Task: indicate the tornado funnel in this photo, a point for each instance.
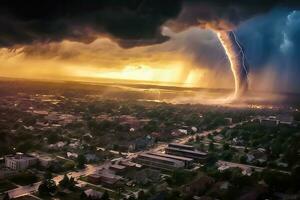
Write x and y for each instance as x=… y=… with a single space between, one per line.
x=237 y=59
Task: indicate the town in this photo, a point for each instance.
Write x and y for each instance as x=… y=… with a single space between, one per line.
x=74 y=141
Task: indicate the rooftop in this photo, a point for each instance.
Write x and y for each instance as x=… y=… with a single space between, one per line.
x=181 y=145
x=20 y=156
x=170 y=156
x=188 y=151
x=159 y=157
x=116 y=166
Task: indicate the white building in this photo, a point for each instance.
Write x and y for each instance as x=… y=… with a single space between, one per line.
x=19 y=161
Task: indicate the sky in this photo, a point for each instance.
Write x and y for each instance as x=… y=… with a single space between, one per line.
x=164 y=42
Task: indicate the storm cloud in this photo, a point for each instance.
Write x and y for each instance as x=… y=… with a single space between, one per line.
x=129 y=23
x=273 y=52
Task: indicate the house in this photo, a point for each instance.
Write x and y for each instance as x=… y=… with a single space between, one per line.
x=194 y=129
x=94 y=178
x=91 y=157
x=128 y=164
x=57 y=145
x=250 y=158
x=183 y=131
x=72 y=155
x=104 y=177
x=93 y=194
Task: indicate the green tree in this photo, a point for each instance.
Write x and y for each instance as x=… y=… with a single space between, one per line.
x=202 y=147
x=48 y=175
x=211 y=146
x=142 y=195
x=226 y=147
x=131 y=197
x=174 y=195
x=105 y=196
x=47 y=187
x=64 y=183
x=243 y=159
x=53 y=137
x=211 y=159
x=81 y=161
x=278 y=181
x=296 y=177
x=69 y=165
x=83 y=196
x=6 y=197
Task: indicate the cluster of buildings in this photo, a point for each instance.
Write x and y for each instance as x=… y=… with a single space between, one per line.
x=111 y=175
x=281 y=119
x=127 y=120
x=176 y=156
x=21 y=161
x=54 y=119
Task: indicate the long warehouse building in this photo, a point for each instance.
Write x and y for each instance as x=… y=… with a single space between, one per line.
x=197 y=155
x=159 y=162
x=187 y=161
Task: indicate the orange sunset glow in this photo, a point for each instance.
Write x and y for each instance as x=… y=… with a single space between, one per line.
x=104 y=59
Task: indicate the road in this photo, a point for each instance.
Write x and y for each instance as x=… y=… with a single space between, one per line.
x=90 y=169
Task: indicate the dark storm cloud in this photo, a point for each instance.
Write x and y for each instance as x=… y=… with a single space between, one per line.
x=273 y=41
x=128 y=22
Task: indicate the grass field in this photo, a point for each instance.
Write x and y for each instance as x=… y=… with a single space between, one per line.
x=6 y=185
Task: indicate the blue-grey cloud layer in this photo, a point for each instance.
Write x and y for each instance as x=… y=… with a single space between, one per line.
x=273 y=41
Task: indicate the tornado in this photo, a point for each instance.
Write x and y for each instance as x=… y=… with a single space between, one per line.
x=237 y=60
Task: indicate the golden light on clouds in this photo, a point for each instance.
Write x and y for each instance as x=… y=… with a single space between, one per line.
x=169 y=74
x=169 y=63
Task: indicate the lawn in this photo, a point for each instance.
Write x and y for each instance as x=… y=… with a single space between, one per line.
x=24 y=178
x=6 y=185
x=73 y=195
x=26 y=197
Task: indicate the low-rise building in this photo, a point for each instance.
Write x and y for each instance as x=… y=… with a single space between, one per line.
x=197 y=155
x=159 y=162
x=43 y=160
x=128 y=164
x=228 y=120
x=20 y=161
x=118 y=169
x=269 y=122
x=187 y=161
x=105 y=178
x=181 y=146
x=93 y=194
